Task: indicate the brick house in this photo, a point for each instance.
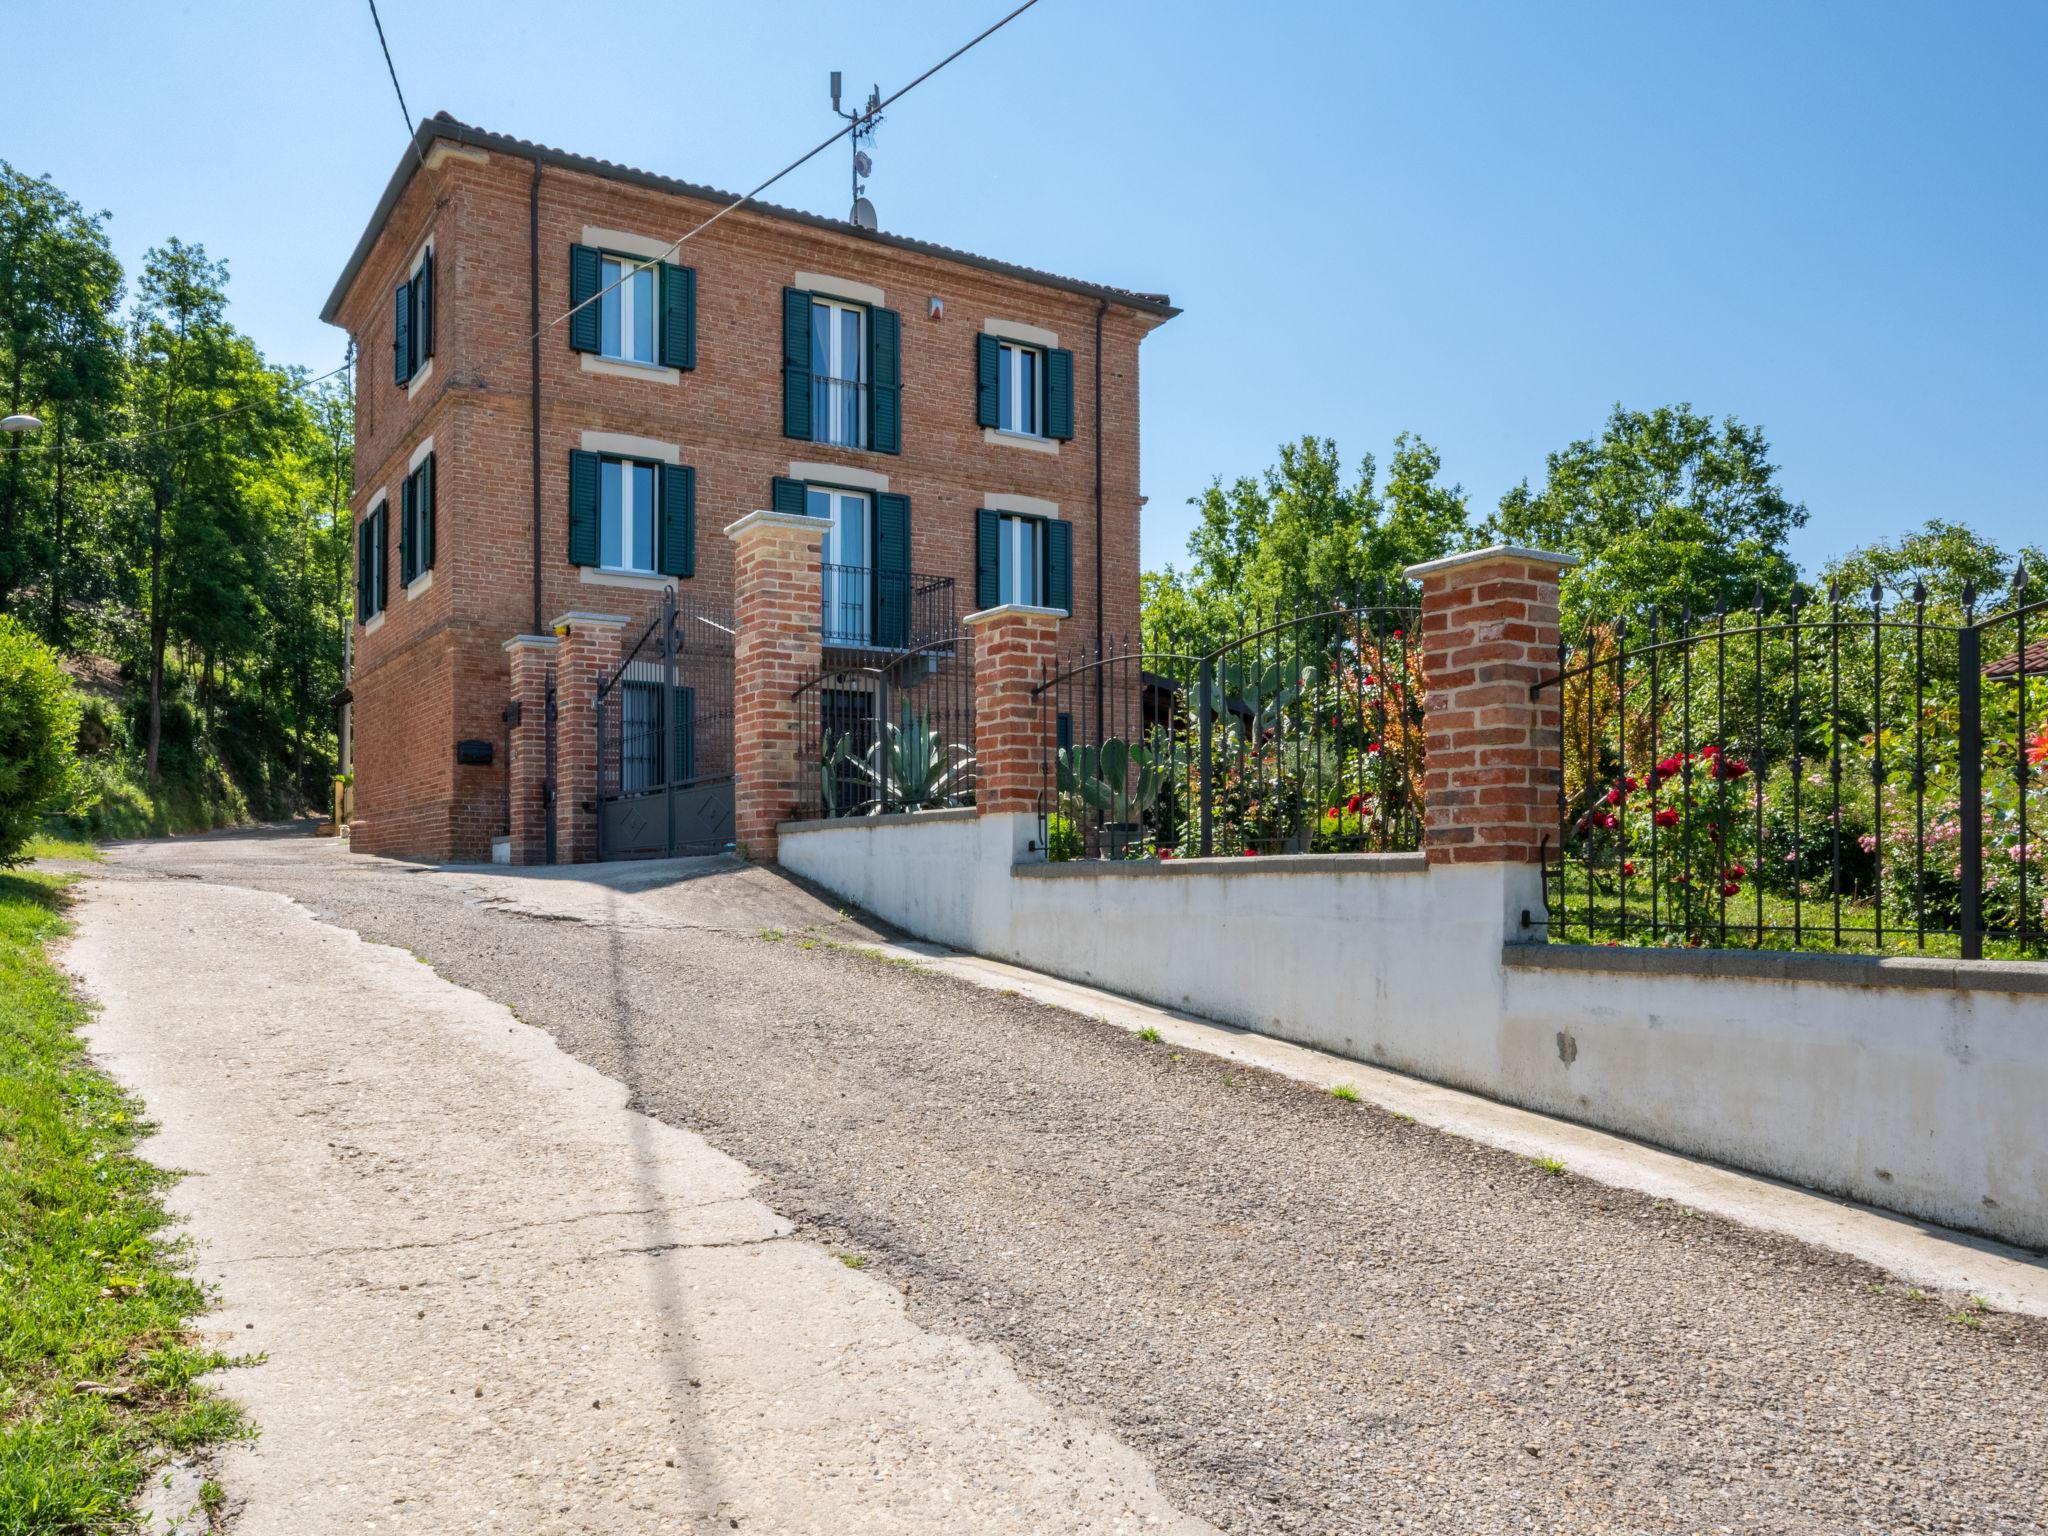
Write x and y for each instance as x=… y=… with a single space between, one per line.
x=962 y=425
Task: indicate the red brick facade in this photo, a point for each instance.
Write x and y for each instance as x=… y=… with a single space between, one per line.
x=1489 y=632
x=432 y=670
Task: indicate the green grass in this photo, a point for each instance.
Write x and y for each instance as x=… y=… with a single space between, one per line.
x=1345 y=1092
x=1598 y=916
x=854 y=1260
x=98 y=1364
x=1545 y=1163
x=1149 y=1034
x=59 y=845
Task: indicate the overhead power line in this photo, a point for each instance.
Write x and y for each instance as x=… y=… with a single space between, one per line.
x=411 y=128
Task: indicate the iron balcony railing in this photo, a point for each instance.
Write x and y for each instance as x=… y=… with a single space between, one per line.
x=866 y=609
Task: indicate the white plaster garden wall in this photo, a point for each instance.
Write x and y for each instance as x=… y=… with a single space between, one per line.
x=1921 y=1086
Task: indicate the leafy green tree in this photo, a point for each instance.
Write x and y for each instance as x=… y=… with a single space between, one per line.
x=1944 y=557
x=1301 y=534
x=1666 y=510
x=39 y=713
x=60 y=358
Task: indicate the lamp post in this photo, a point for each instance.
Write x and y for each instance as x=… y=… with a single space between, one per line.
x=22 y=423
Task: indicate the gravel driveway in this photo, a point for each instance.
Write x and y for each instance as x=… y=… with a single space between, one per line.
x=1309 y=1315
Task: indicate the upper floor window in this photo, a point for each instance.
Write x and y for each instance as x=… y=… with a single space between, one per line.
x=416 y=523
x=842 y=377
x=1023 y=388
x=838 y=372
x=626 y=515
x=1020 y=384
x=412 y=326
x=1020 y=561
x=625 y=310
x=371 y=580
x=632 y=516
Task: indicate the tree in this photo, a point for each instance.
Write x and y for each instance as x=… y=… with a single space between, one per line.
x=1945 y=558
x=1299 y=534
x=1667 y=513
x=38 y=736
x=59 y=358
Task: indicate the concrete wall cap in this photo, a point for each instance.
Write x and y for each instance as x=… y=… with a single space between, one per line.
x=1491 y=552
x=577 y=619
x=863 y=823
x=1004 y=610
x=1783 y=965
x=521 y=642
x=759 y=521
x=1226 y=868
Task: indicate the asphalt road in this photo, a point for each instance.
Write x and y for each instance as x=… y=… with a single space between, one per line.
x=1307 y=1315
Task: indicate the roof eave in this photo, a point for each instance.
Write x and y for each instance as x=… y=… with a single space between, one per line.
x=441 y=126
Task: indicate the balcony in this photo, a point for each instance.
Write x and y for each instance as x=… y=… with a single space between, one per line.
x=862 y=609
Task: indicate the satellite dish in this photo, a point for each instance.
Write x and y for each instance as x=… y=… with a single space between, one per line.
x=864 y=213
x=862 y=165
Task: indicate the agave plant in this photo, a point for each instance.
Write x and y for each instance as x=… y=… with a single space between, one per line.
x=910 y=766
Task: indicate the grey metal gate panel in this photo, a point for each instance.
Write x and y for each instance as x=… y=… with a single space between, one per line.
x=664 y=738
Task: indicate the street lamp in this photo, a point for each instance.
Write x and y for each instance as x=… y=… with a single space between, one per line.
x=20 y=423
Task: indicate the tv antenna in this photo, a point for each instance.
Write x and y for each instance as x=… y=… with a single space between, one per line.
x=865 y=121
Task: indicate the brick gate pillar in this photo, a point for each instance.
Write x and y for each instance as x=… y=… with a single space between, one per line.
x=776 y=611
x=531 y=657
x=587 y=654
x=1015 y=649
x=1492 y=753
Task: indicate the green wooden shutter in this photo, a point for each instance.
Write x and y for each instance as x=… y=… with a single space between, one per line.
x=796 y=364
x=401 y=334
x=423 y=308
x=407 y=515
x=582 y=507
x=678 y=316
x=1059 y=394
x=682 y=711
x=1059 y=565
x=988 y=393
x=425 y=514
x=891 y=599
x=885 y=381
x=583 y=284
x=791 y=496
x=988 y=568
x=383 y=561
x=678 y=553
x=363 y=571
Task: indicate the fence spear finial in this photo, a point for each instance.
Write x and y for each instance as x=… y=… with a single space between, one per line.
x=2019 y=579
x=1969 y=602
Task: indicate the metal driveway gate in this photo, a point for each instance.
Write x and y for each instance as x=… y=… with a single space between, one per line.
x=664 y=738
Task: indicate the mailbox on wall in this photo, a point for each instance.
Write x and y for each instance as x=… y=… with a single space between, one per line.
x=473 y=754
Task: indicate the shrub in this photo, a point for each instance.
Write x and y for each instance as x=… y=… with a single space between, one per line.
x=39 y=715
x=1063 y=839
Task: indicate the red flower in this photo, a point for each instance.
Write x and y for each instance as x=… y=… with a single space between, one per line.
x=2037 y=749
x=1671 y=767
x=1614 y=795
x=1731 y=889
x=1331 y=814
x=1709 y=751
x=1355 y=804
x=1165 y=854
x=1397 y=634
x=1667 y=817
x=1606 y=819
x=1628 y=866
x=1251 y=853
x=1736 y=872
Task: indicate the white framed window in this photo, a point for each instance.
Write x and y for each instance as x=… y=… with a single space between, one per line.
x=1020 y=561
x=839 y=382
x=627 y=492
x=1020 y=390
x=848 y=562
x=626 y=312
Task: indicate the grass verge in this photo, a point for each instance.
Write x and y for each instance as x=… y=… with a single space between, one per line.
x=99 y=1366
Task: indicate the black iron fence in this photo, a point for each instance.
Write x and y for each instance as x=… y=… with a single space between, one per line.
x=1865 y=772
x=1300 y=734
x=894 y=736
x=863 y=608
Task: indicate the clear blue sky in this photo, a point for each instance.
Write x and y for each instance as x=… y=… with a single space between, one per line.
x=1483 y=222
